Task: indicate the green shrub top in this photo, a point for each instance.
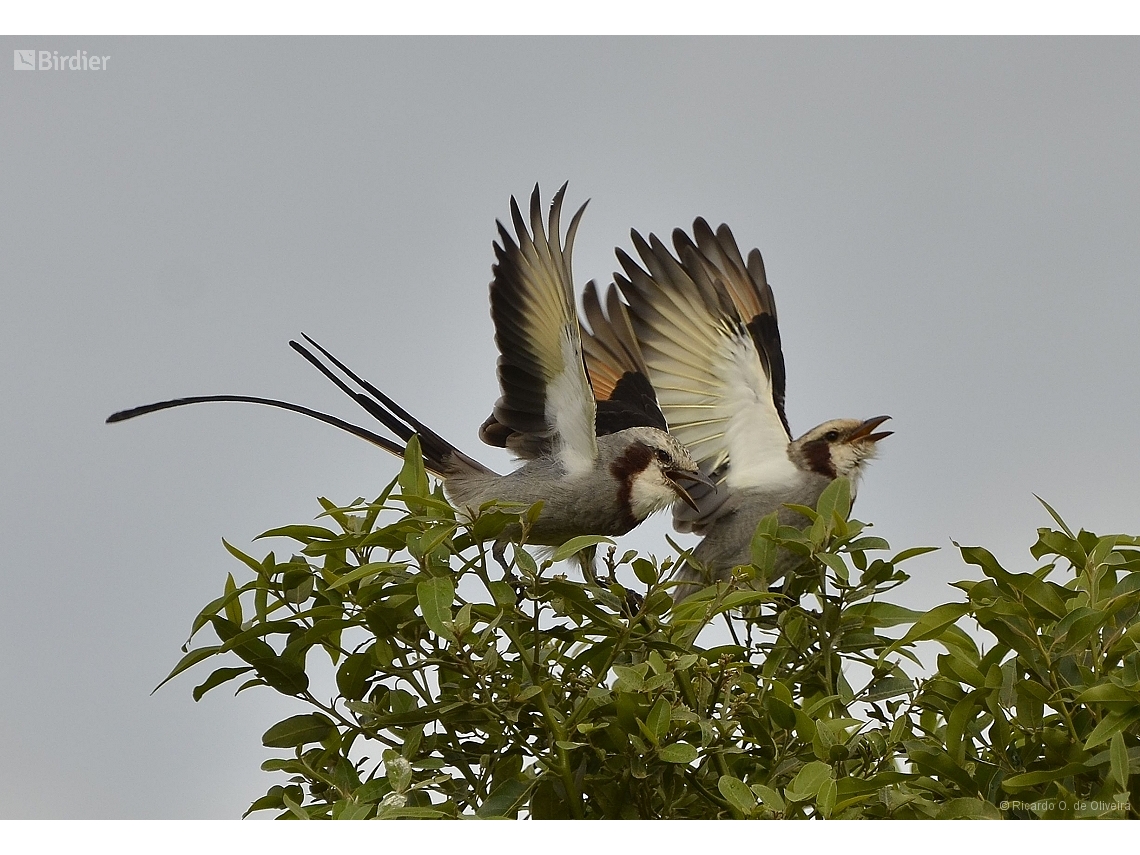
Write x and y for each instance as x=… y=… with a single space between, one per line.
x=459 y=694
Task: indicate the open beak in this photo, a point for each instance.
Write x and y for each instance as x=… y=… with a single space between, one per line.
x=697 y=477
x=863 y=432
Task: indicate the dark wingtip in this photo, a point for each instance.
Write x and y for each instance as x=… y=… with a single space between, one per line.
x=556 y=202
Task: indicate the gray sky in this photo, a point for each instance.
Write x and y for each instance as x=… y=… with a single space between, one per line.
x=949 y=227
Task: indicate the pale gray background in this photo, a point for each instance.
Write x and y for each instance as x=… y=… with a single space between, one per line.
x=949 y=225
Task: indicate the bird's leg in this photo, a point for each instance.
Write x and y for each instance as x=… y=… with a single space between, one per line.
x=499 y=553
x=633 y=603
x=633 y=600
x=586 y=560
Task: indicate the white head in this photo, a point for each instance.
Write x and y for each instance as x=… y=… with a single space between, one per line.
x=839 y=447
x=648 y=466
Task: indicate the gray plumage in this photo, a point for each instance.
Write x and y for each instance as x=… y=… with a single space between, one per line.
x=729 y=528
x=600 y=500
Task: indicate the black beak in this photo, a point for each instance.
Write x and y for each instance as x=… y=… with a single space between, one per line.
x=863 y=432
x=697 y=477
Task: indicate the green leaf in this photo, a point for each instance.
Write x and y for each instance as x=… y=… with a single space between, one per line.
x=934 y=761
x=802 y=510
x=502 y=593
x=363 y=572
x=930 y=624
x=1101 y=551
x=1117 y=698
x=763 y=546
x=769 y=797
x=287 y=677
x=192 y=658
x=645 y=571
x=956 y=727
x=836 y=565
x=490 y=524
x=252 y=563
x=352 y=676
x=783 y=714
x=877 y=613
x=1078 y=625
x=1118 y=760
x=1109 y=726
x=301 y=533
x=983 y=558
x=913 y=552
x=1041 y=593
x=1051 y=542
x=397 y=770
x=658 y=720
x=630 y=679
x=546 y=803
x=505 y=800
x=221 y=675
x=233 y=601
x=435 y=596
x=888 y=687
x=835 y=500
x=825 y=798
x=350 y=811
x=868 y=543
x=806 y=785
x=413 y=479
x=295 y=807
x=678 y=752
x=1041 y=776
x=1056 y=516
x=576 y=544
x=270 y=801
x=737 y=794
x=525 y=562
x=298 y=730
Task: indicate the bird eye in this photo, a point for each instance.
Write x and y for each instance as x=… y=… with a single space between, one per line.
x=831 y=435
x=662 y=455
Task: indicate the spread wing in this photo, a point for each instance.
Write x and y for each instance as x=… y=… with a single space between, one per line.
x=705 y=321
x=747 y=285
x=622 y=391
x=546 y=406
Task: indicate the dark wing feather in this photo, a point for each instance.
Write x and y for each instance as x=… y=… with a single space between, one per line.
x=546 y=406
x=622 y=391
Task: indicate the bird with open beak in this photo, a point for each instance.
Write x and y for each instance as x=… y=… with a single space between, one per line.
x=701 y=328
x=596 y=471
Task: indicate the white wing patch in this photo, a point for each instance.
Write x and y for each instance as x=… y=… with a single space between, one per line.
x=570 y=408
x=755 y=438
x=718 y=402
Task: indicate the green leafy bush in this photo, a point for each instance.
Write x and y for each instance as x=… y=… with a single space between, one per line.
x=458 y=694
